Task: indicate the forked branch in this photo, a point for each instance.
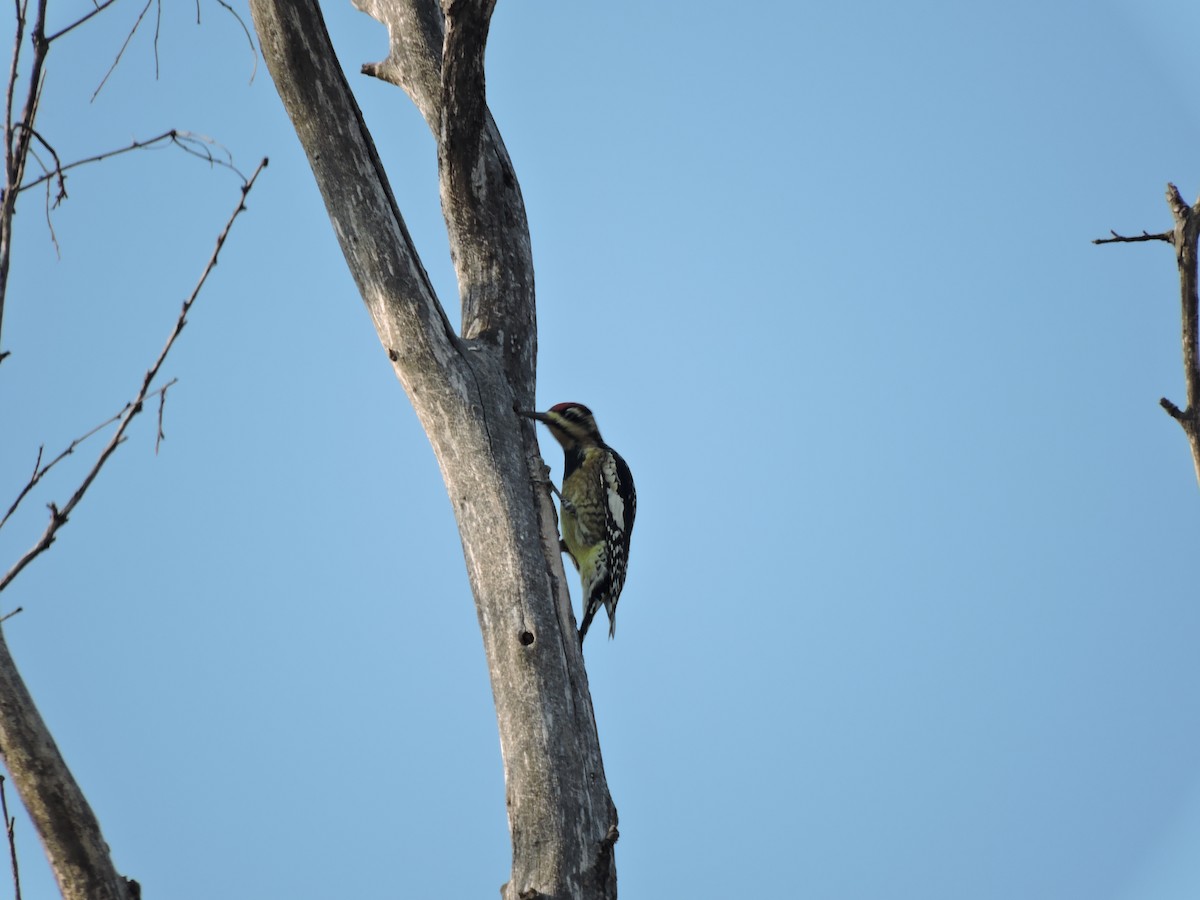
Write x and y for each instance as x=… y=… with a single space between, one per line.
x=59 y=516
x=464 y=387
x=197 y=145
x=40 y=470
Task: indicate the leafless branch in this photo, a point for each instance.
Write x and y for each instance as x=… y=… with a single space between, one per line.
x=40 y=471
x=1172 y=410
x=249 y=37
x=10 y=825
x=10 y=91
x=96 y=10
x=16 y=140
x=1144 y=236
x=59 y=517
x=202 y=147
x=196 y=145
x=124 y=46
x=56 y=175
x=157 y=32
x=56 y=170
x=162 y=402
x=1183 y=237
x=48 y=206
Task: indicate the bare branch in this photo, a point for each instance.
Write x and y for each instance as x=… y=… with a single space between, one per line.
x=10 y=825
x=482 y=202
x=162 y=402
x=121 y=52
x=245 y=29
x=464 y=104
x=46 y=209
x=14 y=64
x=70 y=832
x=56 y=172
x=59 y=517
x=50 y=204
x=1167 y=236
x=197 y=145
x=40 y=471
x=157 y=32
x=16 y=140
x=1179 y=208
x=1184 y=237
x=1172 y=410
x=417 y=32
x=201 y=146
x=96 y=10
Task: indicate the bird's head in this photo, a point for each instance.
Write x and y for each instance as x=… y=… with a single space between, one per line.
x=572 y=424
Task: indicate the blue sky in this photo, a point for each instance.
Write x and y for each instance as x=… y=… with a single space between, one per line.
x=911 y=610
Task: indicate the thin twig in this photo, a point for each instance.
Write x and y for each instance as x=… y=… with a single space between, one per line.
x=96 y=10
x=193 y=144
x=14 y=64
x=47 y=207
x=10 y=824
x=59 y=517
x=157 y=32
x=33 y=480
x=7 y=616
x=1167 y=236
x=245 y=29
x=121 y=52
x=201 y=146
x=40 y=471
x=162 y=402
x=56 y=172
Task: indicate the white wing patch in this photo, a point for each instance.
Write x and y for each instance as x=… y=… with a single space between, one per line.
x=616 y=506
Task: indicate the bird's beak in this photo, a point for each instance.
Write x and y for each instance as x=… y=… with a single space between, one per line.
x=532 y=414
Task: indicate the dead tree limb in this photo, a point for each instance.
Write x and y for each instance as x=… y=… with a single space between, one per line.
x=1183 y=236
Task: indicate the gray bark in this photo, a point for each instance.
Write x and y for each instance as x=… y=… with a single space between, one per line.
x=1184 y=236
x=464 y=390
x=61 y=815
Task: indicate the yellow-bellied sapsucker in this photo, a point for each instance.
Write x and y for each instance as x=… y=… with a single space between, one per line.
x=598 y=504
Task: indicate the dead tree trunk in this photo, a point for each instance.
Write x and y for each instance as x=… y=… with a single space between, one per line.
x=464 y=389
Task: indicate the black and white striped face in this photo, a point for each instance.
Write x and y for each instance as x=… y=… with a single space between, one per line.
x=572 y=424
